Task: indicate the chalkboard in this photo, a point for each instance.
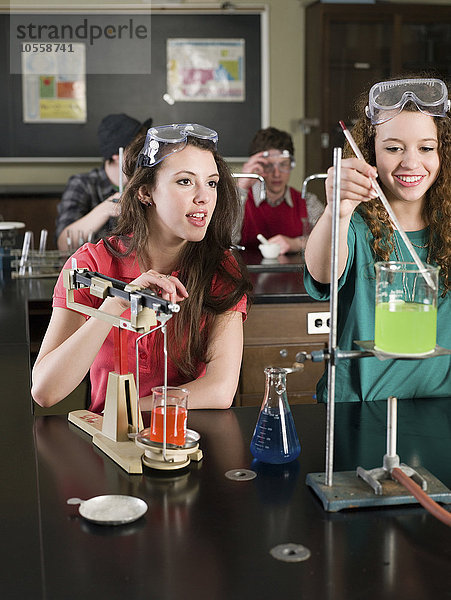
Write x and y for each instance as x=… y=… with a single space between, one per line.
x=141 y=95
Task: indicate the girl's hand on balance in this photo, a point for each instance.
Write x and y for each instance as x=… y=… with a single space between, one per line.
x=167 y=287
x=356 y=176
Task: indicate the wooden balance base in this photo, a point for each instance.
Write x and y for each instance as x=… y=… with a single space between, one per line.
x=126 y=454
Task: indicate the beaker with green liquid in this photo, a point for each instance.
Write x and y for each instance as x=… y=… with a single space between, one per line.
x=406 y=308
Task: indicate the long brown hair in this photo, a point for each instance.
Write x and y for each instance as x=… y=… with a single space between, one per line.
x=437 y=208
x=198 y=262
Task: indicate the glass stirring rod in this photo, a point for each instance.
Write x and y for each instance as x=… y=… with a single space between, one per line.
x=389 y=210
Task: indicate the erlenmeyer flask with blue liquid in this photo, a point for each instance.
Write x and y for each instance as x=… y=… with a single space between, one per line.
x=275 y=439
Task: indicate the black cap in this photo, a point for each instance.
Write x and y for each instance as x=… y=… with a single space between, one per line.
x=117 y=131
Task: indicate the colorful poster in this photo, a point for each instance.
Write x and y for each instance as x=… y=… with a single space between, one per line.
x=205 y=70
x=54 y=83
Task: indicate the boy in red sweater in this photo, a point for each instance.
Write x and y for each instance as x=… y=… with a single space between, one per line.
x=278 y=217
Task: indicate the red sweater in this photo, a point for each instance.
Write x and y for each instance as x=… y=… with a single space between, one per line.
x=272 y=220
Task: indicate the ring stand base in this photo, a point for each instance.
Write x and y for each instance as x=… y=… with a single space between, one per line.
x=375 y=477
x=350 y=491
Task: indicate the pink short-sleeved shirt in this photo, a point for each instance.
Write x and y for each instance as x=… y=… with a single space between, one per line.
x=95 y=257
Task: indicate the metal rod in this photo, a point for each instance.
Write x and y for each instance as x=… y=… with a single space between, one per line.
x=311 y=178
x=392 y=418
x=138 y=408
x=138 y=339
x=253 y=176
x=342 y=354
x=138 y=411
x=25 y=251
x=333 y=319
x=69 y=241
x=165 y=390
x=43 y=241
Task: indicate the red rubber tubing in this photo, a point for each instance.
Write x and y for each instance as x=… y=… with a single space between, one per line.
x=430 y=505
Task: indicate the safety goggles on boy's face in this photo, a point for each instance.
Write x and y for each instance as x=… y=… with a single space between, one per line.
x=280 y=159
x=166 y=139
x=388 y=98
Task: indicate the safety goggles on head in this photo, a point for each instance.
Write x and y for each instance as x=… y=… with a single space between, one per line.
x=166 y=139
x=388 y=98
x=281 y=159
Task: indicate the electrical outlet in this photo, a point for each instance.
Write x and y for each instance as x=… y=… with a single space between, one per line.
x=318 y=322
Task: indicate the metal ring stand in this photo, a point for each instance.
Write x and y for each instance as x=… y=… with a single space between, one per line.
x=361 y=488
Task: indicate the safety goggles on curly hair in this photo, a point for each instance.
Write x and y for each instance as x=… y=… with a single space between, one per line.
x=280 y=159
x=388 y=98
x=166 y=139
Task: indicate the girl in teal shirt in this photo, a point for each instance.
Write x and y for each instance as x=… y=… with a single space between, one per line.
x=405 y=131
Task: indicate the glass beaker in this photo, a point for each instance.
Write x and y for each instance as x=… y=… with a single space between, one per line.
x=176 y=415
x=275 y=439
x=406 y=308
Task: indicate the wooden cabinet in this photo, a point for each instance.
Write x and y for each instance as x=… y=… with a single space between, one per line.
x=273 y=335
x=351 y=46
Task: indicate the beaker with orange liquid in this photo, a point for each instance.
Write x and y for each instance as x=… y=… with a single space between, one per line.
x=170 y=401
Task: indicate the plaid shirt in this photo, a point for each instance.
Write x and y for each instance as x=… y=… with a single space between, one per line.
x=82 y=193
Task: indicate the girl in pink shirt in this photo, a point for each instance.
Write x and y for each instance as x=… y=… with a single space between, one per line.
x=173 y=237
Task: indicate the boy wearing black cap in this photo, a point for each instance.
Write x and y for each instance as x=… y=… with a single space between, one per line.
x=88 y=206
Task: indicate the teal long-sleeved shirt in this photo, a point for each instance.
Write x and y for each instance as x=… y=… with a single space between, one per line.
x=372 y=378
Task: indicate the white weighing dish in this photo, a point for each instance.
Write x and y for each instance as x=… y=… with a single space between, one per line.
x=269 y=250
x=111 y=509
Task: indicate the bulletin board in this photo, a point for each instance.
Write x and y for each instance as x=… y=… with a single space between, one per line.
x=146 y=95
